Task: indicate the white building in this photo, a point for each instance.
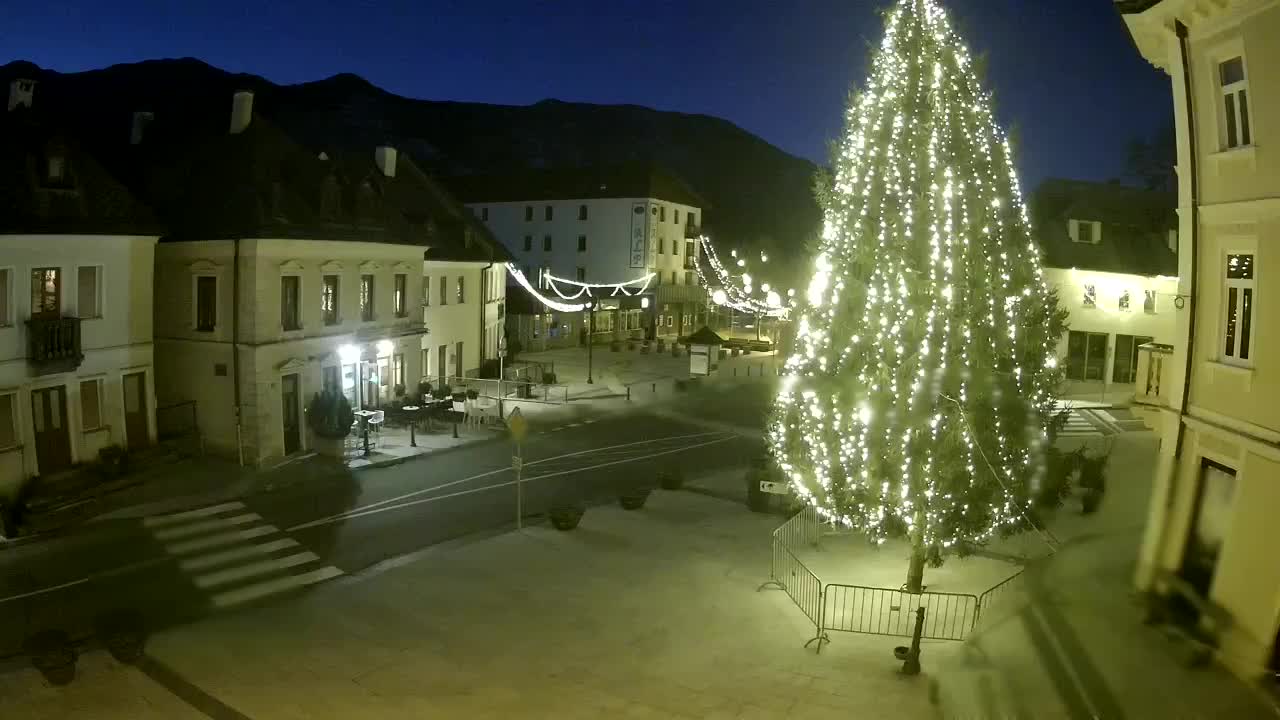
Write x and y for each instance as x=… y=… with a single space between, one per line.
x=75 y=302
x=1211 y=535
x=600 y=225
x=286 y=271
x=1111 y=253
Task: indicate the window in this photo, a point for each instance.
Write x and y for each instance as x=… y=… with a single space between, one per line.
x=46 y=292
x=1123 y=303
x=688 y=278
x=55 y=169
x=662 y=246
x=675 y=248
x=528 y=213
x=289 y=290
x=1235 y=104
x=1087 y=232
x=675 y=218
x=528 y=243
x=6 y=297
x=547 y=213
x=688 y=253
x=582 y=243
x=662 y=213
x=329 y=378
x=484 y=214
x=1237 y=328
x=89 y=291
x=329 y=300
x=462 y=295
x=206 y=303
x=1149 y=302
x=90 y=404
x=366 y=298
x=1214 y=495
x=582 y=274
x=1086 y=355
x=444 y=289
x=401 y=297
x=693 y=219
x=546 y=243
x=397 y=370
x=1090 y=296
x=673 y=277
x=8 y=421
x=582 y=212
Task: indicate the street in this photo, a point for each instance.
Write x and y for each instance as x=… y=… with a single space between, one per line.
x=179 y=567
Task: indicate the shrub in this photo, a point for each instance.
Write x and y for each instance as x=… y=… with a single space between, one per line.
x=566 y=516
x=633 y=499
x=329 y=415
x=53 y=654
x=112 y=462
x=671 y=478
x=398 y=390
x=442 y=392
x=123 y=634
x=472 y=394
x=548 y=378
x=424 y=390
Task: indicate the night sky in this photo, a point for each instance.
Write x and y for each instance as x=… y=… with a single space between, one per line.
x=1064 y=71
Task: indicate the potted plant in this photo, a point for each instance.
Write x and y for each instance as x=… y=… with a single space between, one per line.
x=662 y=345
x=644 y=348
x=53 y=654
x=671 y=478
x=1092 y=482
x=330 y=416
x=631 y=344
x=566 y=516
x=424 y=391
x=634 y=499
x=675 y=350
x=123 y=634
x=112 y=462
x=398 y=391
x=472 y=393
x=443 y=392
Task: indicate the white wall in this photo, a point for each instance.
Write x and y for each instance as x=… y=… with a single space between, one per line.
x=469 y=322
x=608 y=232
x=116 y=343
x=1106 y=317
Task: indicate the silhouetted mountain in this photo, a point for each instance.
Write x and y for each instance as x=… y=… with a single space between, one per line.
x=758 y=195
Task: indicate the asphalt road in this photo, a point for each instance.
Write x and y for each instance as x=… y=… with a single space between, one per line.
x=332 y=523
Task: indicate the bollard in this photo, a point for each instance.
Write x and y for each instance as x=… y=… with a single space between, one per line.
x=413 y=441
x=653 y=387
x=735 y=371
x=455 y=429
x=628 y=393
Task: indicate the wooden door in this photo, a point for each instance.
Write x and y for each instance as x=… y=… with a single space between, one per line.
x=135 y=411
x=49 y=421
x=290 y=414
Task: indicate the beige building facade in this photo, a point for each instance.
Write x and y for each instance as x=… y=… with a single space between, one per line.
x=1211 y=524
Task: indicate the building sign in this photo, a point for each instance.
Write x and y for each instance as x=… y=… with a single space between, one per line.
x=653 y=236
x=639 y=234
x=699 y=360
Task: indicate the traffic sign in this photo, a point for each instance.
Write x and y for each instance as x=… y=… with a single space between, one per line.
x=775 y=488
x=517 y=463
x=518 y=426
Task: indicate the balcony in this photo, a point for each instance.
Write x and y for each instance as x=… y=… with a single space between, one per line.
x=53 y=345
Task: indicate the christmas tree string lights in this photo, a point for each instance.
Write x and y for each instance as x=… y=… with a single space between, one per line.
x=919 y=396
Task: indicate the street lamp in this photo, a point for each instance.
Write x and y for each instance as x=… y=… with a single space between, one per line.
x=591 y=328
x=502 y=357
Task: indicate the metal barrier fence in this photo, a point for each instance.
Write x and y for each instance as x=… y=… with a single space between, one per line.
x=512 y=389
x=880 y=611
x=869 y=610
x=177 y=420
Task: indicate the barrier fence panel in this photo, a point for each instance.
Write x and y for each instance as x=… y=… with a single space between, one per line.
x=998 y=596
x=880 y=611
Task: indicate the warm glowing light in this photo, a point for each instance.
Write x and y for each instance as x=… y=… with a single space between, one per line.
x=385 y=347
x=348 y=354
x=720 y=297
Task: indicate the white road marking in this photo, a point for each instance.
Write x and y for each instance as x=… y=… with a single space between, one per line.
x=460 y=481
x=205 y=526
x=435 y=498
x=267 y=588
x=203 y=562
x=263 y=567
x=213 y=541
x=162 y=520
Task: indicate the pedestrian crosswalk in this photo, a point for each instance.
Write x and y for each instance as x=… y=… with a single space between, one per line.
x=1086 y=422
x=233 y=556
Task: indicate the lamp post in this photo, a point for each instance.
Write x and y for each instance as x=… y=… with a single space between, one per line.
x=502 y=357
x=591 y=328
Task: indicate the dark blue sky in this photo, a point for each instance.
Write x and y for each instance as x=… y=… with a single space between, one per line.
x=1064 y=71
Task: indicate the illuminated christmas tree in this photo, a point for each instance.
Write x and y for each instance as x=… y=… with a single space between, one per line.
x=919 y=400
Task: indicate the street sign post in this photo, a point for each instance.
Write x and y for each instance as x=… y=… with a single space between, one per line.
x=519 y=427
x=502 y=358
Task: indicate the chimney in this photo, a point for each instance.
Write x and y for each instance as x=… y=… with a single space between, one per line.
x=385 y=157
x=20 y=92
x=241 y=111
x=140 y=122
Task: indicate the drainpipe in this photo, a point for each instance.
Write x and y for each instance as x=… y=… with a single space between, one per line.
x=235 y=347
x=1194 y=169
x=484 y=305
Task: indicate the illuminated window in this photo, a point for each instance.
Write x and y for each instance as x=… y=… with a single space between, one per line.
x=1123 y=304
x=1237 y=326
x=1149 y=302
x=329 y=300
x=366 y=298
x=1090 y=296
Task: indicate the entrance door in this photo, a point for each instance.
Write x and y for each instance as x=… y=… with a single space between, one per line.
x=457 y=361
x=442 y=363
x=46 y=292
x=135 y=410
x=1127 y=357
x=289 y=414
x=1215 y=491
x=1086 y=355
x=49 y=420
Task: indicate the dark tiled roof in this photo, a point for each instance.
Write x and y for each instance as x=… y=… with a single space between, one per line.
x=454 y=233
x=1135 y=227
x=636 y=180
x=704 y=336
x=88 y=200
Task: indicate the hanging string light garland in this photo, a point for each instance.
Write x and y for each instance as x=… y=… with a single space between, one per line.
x=738 y=291
x=629 y=288
x=553 y=304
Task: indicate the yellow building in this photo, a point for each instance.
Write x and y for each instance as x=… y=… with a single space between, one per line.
x=1211 y=533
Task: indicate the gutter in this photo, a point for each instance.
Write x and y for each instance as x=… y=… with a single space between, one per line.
x=235 y=348
x=1194 y=161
